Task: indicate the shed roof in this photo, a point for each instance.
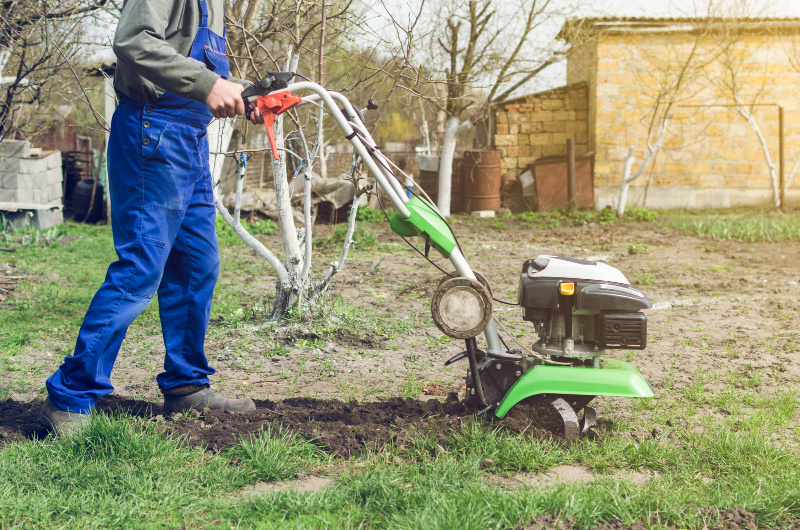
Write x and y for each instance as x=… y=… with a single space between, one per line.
x=563 y=88
x=619 y=25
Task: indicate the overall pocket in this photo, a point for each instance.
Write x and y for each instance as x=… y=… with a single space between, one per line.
x=149 y=267
x=216 y=61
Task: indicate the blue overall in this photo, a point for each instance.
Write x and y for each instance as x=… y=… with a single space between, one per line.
x=162 y=215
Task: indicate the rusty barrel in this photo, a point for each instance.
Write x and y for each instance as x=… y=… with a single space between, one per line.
x=482 y=180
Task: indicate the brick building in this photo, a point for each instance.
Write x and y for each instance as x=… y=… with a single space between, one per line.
x=537 y=125
x=711 y=156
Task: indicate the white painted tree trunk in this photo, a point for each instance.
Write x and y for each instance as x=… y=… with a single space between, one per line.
x=446 y=165
x=292 y=289
x=622 y=198
x=219 y=138
x=744 y=111
x=629 y=176
x=109 y=105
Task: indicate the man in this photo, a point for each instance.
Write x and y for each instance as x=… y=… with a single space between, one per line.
x=172 y=79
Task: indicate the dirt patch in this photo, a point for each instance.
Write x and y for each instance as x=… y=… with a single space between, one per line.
x=9 y=278
x=304 y=484
x=345 y=429
x=18 y=421
x=560 y=475
x=722 y=311
x=556 y=476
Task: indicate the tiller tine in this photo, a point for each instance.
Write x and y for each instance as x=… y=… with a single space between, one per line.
x=589 y=420
x=573 y=428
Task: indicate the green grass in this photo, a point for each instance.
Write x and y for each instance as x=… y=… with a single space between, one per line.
x=368 y=215
x=228 y=238
x=563 y=217
x=123 y=473
x=749 y=227
x=66 y=272
x=363 y=239
x=273 y=454
x=69 y=265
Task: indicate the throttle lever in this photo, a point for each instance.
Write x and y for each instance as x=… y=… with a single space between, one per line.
x=271 y=106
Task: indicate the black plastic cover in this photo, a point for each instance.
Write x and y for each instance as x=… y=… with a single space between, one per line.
x=542 y=293
x=599 y=298
x=626 y=331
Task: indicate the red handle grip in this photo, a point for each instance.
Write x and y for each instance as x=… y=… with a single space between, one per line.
x=271 y=106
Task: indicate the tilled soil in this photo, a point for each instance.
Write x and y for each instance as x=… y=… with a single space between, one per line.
x=345 y=429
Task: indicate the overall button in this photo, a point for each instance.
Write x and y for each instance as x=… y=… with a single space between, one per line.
x=148 y=108
x=146 y=124
x=146 y=141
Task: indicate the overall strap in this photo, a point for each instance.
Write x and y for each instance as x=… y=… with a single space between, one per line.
x=204 y=14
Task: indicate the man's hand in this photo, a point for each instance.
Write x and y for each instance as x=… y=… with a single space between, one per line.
x=225 y=99
x=255 y=114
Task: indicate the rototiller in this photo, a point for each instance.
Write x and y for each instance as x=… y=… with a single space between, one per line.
x=578 y=308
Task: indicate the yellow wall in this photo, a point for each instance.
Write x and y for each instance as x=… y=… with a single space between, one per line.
x=712 y=158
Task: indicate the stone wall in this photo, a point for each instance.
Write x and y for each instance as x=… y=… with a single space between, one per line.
x=538 y=125
x=30 y=182
x=712 y=157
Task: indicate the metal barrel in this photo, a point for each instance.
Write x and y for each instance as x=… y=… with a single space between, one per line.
x=482 y=180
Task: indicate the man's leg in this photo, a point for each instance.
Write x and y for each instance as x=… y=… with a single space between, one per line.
x=146 y=196
x=184 y=302
x=185 y=294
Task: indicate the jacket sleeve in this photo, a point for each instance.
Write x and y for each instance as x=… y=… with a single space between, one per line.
x=140 y=41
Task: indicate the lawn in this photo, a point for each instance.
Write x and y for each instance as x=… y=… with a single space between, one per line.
x=716 y=445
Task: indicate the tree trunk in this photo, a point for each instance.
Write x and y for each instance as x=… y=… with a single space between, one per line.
x=323 y=162
x=622 y=198
x=219 y=139
x=446 y=165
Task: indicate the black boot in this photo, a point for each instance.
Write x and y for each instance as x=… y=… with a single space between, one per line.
x=188 y=397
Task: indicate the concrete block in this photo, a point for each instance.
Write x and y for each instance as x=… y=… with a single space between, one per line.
x=23 y=165
x=9 y=164
x=15 y=148
x=25 y=196
x=33 y=165
x=483 y=213
x=54 y=160
x=56 y=192
x=38 y=219
x=8 y=195
x=9 y=180
x=54 y=176
x=426 y=163
x=29 y=181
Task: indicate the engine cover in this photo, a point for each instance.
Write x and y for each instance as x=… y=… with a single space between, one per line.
x=598 y=287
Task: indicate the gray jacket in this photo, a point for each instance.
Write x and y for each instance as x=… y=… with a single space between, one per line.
x=152 y=44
